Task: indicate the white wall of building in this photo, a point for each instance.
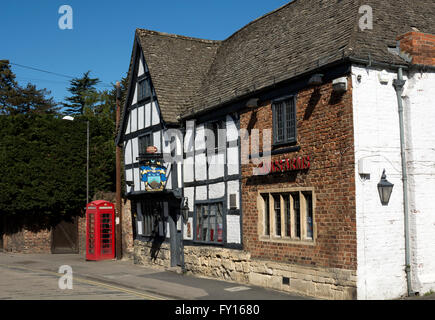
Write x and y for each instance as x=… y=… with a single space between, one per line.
x=198 y=167
x=380 y=229
x=419 y=108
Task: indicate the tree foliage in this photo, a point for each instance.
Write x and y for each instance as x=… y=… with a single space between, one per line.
x=83 y=92
x=43 y=166
x=43 y=157
x=16 y=99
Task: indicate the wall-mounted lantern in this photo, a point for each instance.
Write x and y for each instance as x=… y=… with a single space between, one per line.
x=339 y=85
x=385 y=188
x=185 y=209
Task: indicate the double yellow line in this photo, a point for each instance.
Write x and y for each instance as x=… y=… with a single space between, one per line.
x=91 y=282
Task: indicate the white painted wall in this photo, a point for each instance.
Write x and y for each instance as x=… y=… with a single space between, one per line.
x=380 y=229
x=233 y=229
x=419 y=108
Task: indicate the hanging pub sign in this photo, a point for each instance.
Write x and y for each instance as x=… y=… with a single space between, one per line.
x=153 y=174
x=284 y=165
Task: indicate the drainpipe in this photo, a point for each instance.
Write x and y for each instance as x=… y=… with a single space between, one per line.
x=398 y=86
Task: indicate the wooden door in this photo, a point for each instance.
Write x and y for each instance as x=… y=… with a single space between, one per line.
x=65 y=237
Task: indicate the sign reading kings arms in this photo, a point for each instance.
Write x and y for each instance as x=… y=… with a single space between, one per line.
x=152 y=171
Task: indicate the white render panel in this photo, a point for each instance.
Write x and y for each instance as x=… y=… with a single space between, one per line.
x=180 y=177
x=141 y=69
x=179 y=153
x=232 y=132
x=200 y=137
x=127 y=152
x=216 y=166
x=134 y=100
x=127 y=130
x=380 y=236
x=141 y=119
x=200 y=167
x=168 y=176
x=155 y=114
x=233 y=161
x=133 y=117
x=136 y=180
x=216 y=190
x=188 y=169
x=233 y=188
x=233 y=229
x=201 y=193
x=128 y=177
x=135 y=149
x=147 y=115
x=156 y=140
x=189 y=194
x=189 y=140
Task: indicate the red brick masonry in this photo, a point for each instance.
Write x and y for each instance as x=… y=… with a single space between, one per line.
x=421 y=46
x=325 y=134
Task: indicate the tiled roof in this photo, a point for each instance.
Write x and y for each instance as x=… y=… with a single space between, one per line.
x=192 y=75
x=177 y=67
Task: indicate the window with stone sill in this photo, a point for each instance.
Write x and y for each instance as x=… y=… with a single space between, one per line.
x=287 y=215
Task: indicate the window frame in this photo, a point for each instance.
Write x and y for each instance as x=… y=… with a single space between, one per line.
x=286 y=140
x=141 y=149
x=144 y=80
x=144 y=213
x=271 y=225
x=215 y=126
x=208 y=203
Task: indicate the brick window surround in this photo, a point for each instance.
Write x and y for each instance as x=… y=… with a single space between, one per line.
x=293 y=226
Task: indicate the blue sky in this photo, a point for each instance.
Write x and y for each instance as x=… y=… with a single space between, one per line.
x=102 y=36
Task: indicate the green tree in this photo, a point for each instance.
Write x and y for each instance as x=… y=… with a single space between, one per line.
x=83 y=92
x=15 y=99
x=43 y=167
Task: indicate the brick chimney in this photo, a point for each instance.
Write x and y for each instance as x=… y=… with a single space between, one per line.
x=418 y=46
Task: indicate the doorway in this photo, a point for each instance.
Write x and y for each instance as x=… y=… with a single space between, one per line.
x=65 y=237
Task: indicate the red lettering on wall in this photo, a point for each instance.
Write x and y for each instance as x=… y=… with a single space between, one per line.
x=299 y=163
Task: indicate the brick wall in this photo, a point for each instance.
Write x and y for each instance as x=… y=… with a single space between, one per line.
x=325 y=133
x=27 y=241
x=82 y=234
x=420 y=46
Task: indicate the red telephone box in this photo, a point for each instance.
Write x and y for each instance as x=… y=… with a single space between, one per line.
x=100 y=230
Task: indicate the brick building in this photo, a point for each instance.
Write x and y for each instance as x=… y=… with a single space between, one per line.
x=320 y=89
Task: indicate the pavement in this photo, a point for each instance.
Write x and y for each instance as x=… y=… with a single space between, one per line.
x=38 y=277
